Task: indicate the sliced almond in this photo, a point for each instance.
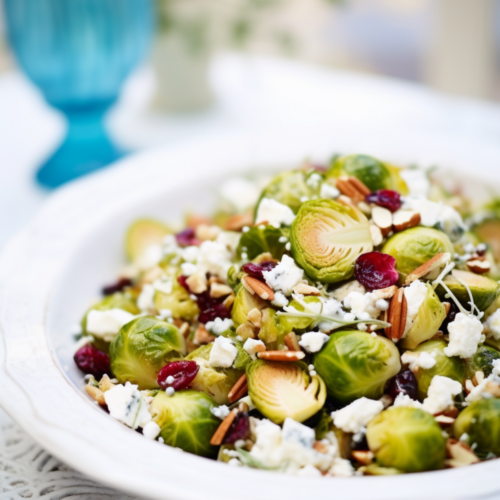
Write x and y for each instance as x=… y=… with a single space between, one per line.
x=383 y=219
x=397 y=313
x=255 y=286
x=218 y=290
x=478 y=266
x=281 y=355
x=405 y=219
x=96 y=394
x=105 y=384
x=431 y=267
x=202 y=336
x=493 y=388
x=238 y=222
x=364 y=457
x=255 y=317
x=247 y=331
x=197 y=282
x=386 y=400
x=228 y=301
x=385 y=293
x=460 y=454
x=221 y=432
x=238 y=390
x=444 y=421
x=305 y=289
x=376 y=234
x=447 y=307
x=206 y=232
x=291 y=342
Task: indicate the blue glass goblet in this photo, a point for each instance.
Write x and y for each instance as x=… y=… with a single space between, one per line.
x=78 y=52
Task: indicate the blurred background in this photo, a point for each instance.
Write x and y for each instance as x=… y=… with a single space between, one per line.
x=86 y=82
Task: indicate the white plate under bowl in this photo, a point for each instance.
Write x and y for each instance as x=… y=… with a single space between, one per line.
x=51 y=271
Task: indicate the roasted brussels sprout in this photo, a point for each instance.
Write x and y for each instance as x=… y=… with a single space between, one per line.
x=258 y=240
x=354 y=364
x=484 y=290
x=480 y=421
x=280 y=390
x=243 y=304
x=453 y=367
x=186 y=421
x=178 y=301
x=429 y=318
x=144 y=233
x=142 y=348
x=407 y=439
x=297 y=324
x=482 y=361
x=272 y=330
x=414 y=247
x=217 y=382
x=326 y=239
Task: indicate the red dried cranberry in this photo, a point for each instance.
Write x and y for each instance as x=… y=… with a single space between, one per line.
x=117 y=287
x=376 y=270
x=216 y=311
x=385 y=198
x=187 y=238
x=240 y=429
x=403 y=383
x=183 y=372
x=182 y=280
x=454 y=310
x=92 y=361
x=256 y=270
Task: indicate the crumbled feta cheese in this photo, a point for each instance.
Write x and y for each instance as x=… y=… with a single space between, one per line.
x=295 y=431
x=314 y=180
x=279 y=300
x=252 y=347
x=356 y=415
x=164 y=313
x=214 y=258
x=363 y=306
x=285 y=276
x=328 y=191
x=164 y=285
x=440 y=394
x=274 y=213
x=219 y=325
x=106 y=324
x=492 y=325
x=223 y=353
x=240 y=193
x=417 y=181
x=382 y=304
x=330 y=307
x=341 y=468
x=128 y=405
x=487 y=387
x=188 y=269
x=151 y=430
x=405 y=400
x=465 y=334
x=417 y=360
x=151 y=256
x=220 y=411
x=313 y=341
x=229 y=239
x=308 y=471
x=414 y=295
x=145 y=301
x=190 y=253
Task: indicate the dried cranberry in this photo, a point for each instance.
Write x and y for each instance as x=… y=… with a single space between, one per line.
x=92 y=361
x=319 y=168
x=182 y=280
x=376 y=270
x=454 y=310
x=216 y=311
x=183 y=373
x=403 y=383
x=240 y=429
x=385 y=198
x=256 y=270
x=117 y=287
x=187 y=238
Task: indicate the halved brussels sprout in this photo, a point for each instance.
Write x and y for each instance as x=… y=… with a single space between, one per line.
x=414 y=247
x=407 y=439
x=142 y=234
x=481 y=422
x=259 y=240
x=142 y=348
x=298 y=324
x=482 y=361
x=484 y=290
x=289 y=188
x=186 y=421
x=243 y=304
x=327 y=238
x=178 y=301
x=429 y=318
x=217 y=382
x=280 y=390
x=453 y=367
x=354 y=364
x=272 y=331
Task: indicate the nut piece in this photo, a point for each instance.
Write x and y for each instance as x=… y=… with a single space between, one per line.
x=304 y=289
x=320 y=447
x=105 y=384
x=96 y=394
x=291 y=342
x=444 y=421
x=255 y=317
x=247 y=331
x=221 y=432
x=364 y=457
x=352 y=188
x=396 y=316
x=432 y=268
x=238 y=222
x=460 y=454
x=383 y=219
x=281 y=355
x=193 y=221
x=197 y=282
x=217 y=290
x=385 y=293
x=478 y=266
x=238 y=390
x=204 y=232
x=377 y=236
x=201 y=336
x=255 y=286
x=228 y=301
x=405 y=219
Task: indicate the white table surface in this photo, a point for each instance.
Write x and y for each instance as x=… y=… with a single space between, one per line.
x=253 y=96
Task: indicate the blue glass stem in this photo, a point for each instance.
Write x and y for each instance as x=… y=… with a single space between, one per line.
x=86 y=147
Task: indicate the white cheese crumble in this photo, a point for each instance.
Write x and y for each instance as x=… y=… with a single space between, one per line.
x=188 y=269
x=151 y=256
x=279 y=300
x=219 y=325
x=328 y=191
x=313 y=341
x=465 y=333
x=492 y=325
x=151 y=430
x=417 y=360
x=128 y=405
x=354 y=417
x=223 y=353
x=440 y=394
x=214 y=258
x=405 y=400
x=220 y=411
x=106 y=324
x=414 y=295
x=417 y=181
x=145 y=301
x=481 y=390
x=362 y=305
x=252 y=347
x=274 y=212
x=341 y=468
x=285 y=276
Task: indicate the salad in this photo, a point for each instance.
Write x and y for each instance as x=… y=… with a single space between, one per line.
x=334 y=320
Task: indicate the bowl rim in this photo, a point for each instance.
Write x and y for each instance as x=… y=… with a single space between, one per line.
x=40 y=398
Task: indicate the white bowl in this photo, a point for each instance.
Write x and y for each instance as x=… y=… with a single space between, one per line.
x=51 y=271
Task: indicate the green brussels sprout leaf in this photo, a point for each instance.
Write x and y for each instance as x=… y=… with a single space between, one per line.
x=178 y=301
x=243 y=304
x=481 y=360
x=259 y=240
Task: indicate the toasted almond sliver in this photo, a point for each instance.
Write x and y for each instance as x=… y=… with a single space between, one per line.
x=364 y=457
x=238 y=222
x=398 y=310
x=105 y=384
x=444 y=421
x=255 y=286
x=460 y=453
x=478 y=266
x=305 y=289
x=238 y=390
x=376 y=234
x=218 y=290
x=405 y=219
x=96 y=394
x=197 y=282
x=228 y=301
x=291 y=342
x=221 y=432
x=255 y=317
x=281 y=355
x=247 y=331
x=447 y=307
x=202 y=335
x=438 y=261
x=383 y=219
x=385 y=293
